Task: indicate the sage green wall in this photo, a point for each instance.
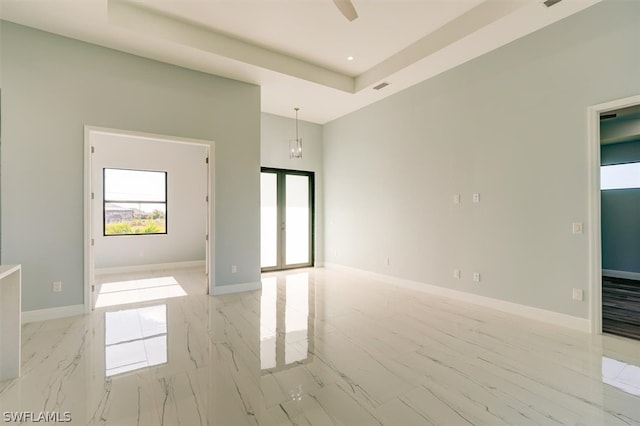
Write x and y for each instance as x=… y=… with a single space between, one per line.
x=51 y=87
x=511 y=126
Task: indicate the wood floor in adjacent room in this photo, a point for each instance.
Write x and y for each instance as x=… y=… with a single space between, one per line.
x=621 y=307
x=318 y=347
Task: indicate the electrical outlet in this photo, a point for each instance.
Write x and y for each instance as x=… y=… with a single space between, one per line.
x=577 y=227
x=456 y=198
x=476 y=198
x=456 y=274
x=234 y=269
x=476 y=277
x=56 y=287
x=578 y=294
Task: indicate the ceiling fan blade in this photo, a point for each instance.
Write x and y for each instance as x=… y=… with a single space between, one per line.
x=347 y=9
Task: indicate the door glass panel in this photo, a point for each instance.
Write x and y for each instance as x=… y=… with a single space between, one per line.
x=269 y=220
x=297 y=219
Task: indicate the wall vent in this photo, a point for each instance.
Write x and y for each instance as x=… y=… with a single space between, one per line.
x=381 y=85
x=550 y=3
x=607 y=116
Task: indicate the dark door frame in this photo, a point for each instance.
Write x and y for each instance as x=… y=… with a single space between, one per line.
x=282 y=229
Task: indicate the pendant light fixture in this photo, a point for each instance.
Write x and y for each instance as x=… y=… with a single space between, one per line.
x=295 y=145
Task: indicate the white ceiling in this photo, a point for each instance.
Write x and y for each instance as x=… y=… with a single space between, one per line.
x=297 y=49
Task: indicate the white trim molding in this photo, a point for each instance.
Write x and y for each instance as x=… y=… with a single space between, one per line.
x=530 y=312
x=621 y=274
x=236 y=288
x=52 y=313
x=150 y=267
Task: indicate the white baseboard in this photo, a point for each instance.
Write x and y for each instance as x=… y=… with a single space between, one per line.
x=52 y=313
x=236 y=288
x=621 y=274
x=150 y=267
x=530 y=312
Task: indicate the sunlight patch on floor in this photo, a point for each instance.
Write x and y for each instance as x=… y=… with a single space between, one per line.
x=142 y=290
x=621 y=375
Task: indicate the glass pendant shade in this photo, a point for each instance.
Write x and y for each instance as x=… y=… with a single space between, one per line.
x=295 y=145
x=295 y=148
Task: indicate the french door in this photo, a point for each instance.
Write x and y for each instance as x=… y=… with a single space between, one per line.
x=287 y=215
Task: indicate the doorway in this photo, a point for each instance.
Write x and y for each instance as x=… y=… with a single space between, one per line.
x=620 y=221
x=287 y=219
x=595 y=114
x=147 y=211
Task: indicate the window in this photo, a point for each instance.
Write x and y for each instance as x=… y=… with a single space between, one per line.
x=620 y=176
x=135 y=202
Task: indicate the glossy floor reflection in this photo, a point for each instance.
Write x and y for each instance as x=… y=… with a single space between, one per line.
x=135 y=339
x=321 y=347
x=287 y=311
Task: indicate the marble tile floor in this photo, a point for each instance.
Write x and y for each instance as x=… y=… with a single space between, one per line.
x=321 y=347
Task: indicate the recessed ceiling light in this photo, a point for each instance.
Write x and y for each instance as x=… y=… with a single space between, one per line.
x=350 y=58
